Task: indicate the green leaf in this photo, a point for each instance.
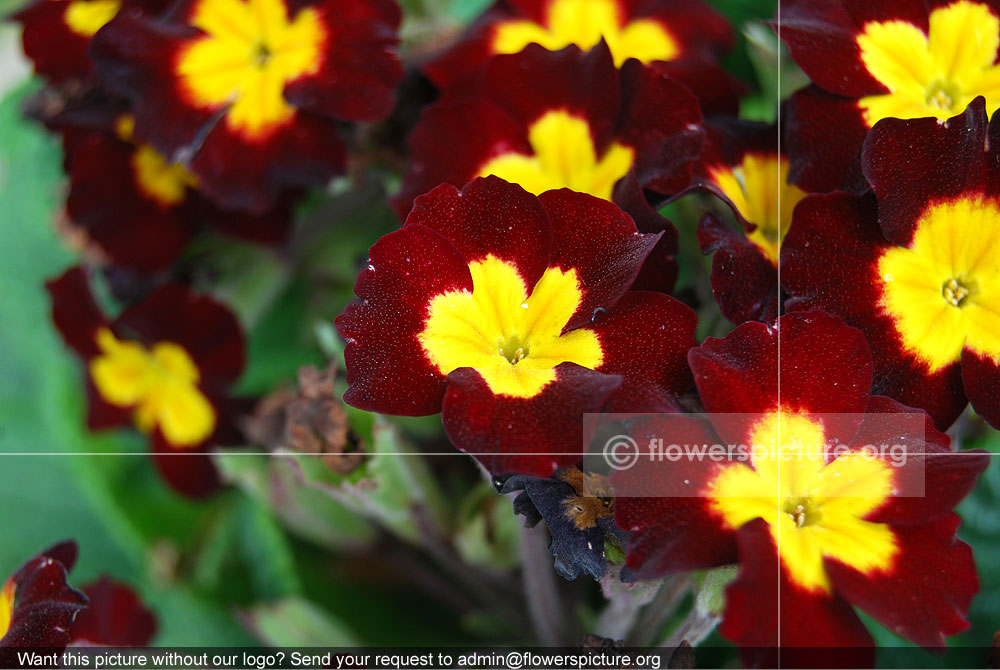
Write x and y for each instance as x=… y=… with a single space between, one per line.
x=296 y=622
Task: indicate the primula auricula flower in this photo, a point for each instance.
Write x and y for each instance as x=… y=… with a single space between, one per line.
x=509 y=314
x=57 y=33
x=139 y=210
x=114 y=617
x=742 y=165
x=880 y=59
x=925 y=287
x=568 y=119
x=680 y=38
x=165 y=365
x=814 y=529
x=37 y=606
x=247 y=92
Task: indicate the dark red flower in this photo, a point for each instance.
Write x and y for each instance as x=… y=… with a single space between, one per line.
x=838 y=499
x=247 y=93
x=680 y=38
x=138 y=209
x=115 y=617
x=548 y=120
x=742 y=165
x=57 y=33
x=509 y=313
x=37 y=606
x=876 y=60
x=925 y=287
x=165 y=365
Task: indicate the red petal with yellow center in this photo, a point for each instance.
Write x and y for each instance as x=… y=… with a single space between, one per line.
x=764 y=608
x=207 y=331
x=700 y=36
x=387 y=370
x=830 y=262
x=911 y=163
x=192 y=473
x=822 y=38
x=269 y=135
x=532 y=436
x=560 y=119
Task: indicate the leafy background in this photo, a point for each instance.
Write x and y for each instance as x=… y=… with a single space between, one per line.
x=237 y=569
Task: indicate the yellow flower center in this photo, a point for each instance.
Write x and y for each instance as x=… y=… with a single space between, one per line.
x=815 y=510
x=7 y=606
x=943 y=291
x=161 y=384
x=512 y=338
x=584 y=23
x=86 y=17
x=756 y=187
x=250 y=52
x=937 y=74
x=564 y=157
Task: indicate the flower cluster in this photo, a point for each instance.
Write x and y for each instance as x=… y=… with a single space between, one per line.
x=535 y=280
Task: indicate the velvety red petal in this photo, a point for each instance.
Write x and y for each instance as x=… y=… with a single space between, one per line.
x=190 y=473
x=252 y=176
x=815 y=630
x=824 y=134
x=822 y=38
x=362 y=70
x=981 y=379
x=536 y=80
x=911 y=162
x=44 y=606
x=717 y=91
x=58 y=53
x=75 y=313
x=829 y=262
x=490 y=216
x=533 y=436
x=450 y=144
x=387 y=370
x=659 y=502
x=930 y=479
x=655 y=372
x=826 y=368
x=744 y=280
x=926 y=594
x=102 y=415
x=662 y=120
x=599 y=241
x=115 y=617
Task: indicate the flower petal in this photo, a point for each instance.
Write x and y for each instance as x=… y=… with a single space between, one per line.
x=744 y=280
x=387 y=370
x=115 y=617
x=928 y=591
x=490 y=217
x=815 y=630
x=533 y=436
